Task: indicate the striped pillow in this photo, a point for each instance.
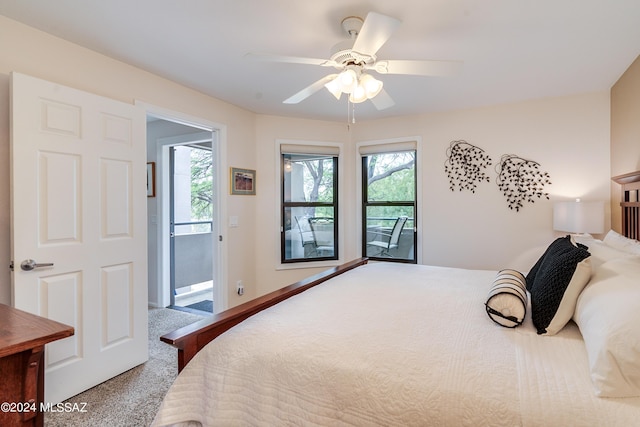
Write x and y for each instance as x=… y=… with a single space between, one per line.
x=507 y=300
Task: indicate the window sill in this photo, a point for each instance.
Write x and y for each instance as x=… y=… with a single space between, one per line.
x=305 y=265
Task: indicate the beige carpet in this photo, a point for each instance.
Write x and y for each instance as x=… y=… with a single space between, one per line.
x=132 y=398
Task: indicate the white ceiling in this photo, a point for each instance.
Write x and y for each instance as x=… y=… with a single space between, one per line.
x=512 y=50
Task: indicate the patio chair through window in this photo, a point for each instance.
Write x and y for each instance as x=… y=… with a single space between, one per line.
x=322 y=229
x=315 y=236
x=385 y=241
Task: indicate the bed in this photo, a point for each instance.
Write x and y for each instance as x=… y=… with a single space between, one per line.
x=399 y=344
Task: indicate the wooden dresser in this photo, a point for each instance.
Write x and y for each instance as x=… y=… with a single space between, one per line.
x=22 y=339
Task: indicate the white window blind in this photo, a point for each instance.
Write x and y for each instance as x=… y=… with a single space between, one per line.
x=394 y=147
x=309 y=149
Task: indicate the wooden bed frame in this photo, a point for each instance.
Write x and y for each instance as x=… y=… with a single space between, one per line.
x=191 y=338
x=630 y=203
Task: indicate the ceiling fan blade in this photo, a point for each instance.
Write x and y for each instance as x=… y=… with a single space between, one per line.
x=309 y=90
x=382 y=101
x=418 y=68
x=375 y=31
x=290 y=59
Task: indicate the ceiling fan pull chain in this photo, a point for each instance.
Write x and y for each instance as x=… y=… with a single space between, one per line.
x=353 y=112
x=348 y=113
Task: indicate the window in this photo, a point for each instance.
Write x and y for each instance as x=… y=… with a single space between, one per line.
x=389 y=204
x=309 y=229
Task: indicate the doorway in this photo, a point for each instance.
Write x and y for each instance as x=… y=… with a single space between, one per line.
x=191 y=226
x=169 y=133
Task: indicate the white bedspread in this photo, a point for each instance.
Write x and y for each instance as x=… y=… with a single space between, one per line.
x=394 y=345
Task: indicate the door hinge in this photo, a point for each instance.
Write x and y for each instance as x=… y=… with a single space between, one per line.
x=11 y=265
x=220 y=238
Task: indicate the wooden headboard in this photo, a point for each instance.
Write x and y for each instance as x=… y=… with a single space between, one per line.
x=630 y=203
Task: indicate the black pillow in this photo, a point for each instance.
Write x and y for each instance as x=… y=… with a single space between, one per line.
x=531 y=275
x=558 y=246
x=555 y=282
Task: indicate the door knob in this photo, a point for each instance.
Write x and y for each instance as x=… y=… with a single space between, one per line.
x=29 y=264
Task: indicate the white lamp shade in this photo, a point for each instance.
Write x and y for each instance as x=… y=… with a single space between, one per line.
x=334 y=87
x=579 y=217
x=371 y=85
x=358 y=86
x=348 y=80
x=358 y=95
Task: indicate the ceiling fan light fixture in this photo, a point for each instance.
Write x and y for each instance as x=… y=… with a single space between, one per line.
x=348 y=80
x=371 y=85
x=353 y=57
x=359 y=94
x=334 y=87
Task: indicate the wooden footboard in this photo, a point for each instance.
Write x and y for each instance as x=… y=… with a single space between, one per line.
x=190 y=339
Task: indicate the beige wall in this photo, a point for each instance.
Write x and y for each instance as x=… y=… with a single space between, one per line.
x=625 y=132
x=568 y=136
x=270 y=129
x=26 y=50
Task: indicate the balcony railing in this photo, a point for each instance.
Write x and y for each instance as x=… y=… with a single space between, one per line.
x=193 y=253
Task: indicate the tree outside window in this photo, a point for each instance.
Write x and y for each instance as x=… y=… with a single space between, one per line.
x=389 y=206
x=193 y=183
x=309 y=206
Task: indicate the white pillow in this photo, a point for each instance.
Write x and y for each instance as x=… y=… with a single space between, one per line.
x=567 y=304
x=608 y=315
x=601 y=252
x=618 y=241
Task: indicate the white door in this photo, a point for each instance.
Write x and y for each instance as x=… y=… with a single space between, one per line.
x=78 y=187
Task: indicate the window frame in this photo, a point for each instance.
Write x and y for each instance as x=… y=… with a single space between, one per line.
x=327 y=150
x=385 y=149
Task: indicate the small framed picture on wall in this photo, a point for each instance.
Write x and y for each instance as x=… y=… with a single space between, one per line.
x=243 y=181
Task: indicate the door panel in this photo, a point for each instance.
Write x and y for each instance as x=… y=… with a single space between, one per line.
x=60 y=183
x=61 y=295
x=115 y=203
x=78 y=185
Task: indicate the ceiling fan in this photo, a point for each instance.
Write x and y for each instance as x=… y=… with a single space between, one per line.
x=354 y=58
